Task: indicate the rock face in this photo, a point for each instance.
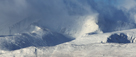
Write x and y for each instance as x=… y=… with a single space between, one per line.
x=118 y=38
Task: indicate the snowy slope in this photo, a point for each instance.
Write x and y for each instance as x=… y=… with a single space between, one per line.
x=36 y=36
x=96 y=45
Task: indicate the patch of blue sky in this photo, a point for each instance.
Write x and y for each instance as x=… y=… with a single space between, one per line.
x=109 y=2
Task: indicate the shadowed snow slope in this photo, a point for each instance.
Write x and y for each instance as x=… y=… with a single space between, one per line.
x=38 y=37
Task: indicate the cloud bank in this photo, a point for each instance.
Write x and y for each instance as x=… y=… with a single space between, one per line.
x=70 y=17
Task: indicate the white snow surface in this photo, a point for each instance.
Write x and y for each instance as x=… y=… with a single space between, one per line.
x=94 y=45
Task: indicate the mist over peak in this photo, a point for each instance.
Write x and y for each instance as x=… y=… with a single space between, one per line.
x=68 y=16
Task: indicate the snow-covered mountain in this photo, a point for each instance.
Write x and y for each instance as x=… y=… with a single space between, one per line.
x=48 y=44
x=67 y=28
